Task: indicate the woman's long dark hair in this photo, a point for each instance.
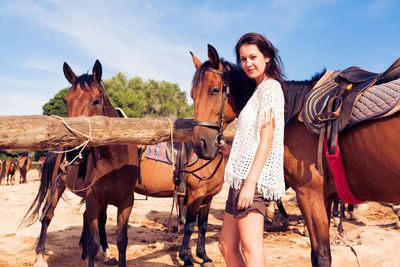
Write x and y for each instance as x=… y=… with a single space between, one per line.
x=274 y=68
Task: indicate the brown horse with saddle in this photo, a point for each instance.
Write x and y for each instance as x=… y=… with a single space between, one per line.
x=194 y=181
x=370 y=148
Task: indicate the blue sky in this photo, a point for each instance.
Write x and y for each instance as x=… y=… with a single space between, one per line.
x=152 y=39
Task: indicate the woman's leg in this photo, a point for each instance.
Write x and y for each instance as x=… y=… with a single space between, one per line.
x=229 y=242
x=251 y=232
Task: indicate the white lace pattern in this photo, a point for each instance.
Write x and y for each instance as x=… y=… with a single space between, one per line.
x=271 y=182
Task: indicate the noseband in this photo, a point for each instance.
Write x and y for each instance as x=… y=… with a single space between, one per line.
x=220 y=122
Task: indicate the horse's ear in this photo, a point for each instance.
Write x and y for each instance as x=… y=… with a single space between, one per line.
x=213 y=56
x=196 y=61
x=68 y=73
x=97 y=71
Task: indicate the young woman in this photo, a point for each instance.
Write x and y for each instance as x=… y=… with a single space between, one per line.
x=255 y=167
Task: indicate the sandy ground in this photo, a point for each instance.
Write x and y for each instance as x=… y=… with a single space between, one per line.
x=373 y=235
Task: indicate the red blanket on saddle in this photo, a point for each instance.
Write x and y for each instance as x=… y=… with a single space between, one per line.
x=339 y=175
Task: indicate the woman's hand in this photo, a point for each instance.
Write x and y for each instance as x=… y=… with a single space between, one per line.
x=246 y=195
x=224 y=148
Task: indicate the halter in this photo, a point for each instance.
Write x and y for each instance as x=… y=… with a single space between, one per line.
x=225 y=92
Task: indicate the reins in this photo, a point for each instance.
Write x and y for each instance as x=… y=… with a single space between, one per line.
x=202 y=166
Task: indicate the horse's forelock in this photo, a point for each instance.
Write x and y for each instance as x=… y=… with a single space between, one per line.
x=86 y=81
x=199 y=75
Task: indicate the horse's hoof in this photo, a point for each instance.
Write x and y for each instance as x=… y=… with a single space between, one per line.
x=111 y=261
x=208 y=264
x=352 y=217
x=40 y=263
x=335 y=221
x=305 y=232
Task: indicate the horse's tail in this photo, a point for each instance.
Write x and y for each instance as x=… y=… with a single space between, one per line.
x=23 y=168
x=32 y=214
x=3 y=170
x=13 y=167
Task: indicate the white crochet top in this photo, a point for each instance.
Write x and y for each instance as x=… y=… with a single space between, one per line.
x=271 y=184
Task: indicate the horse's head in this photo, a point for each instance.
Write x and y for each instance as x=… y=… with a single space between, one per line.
x=218 y=90
x=86 y=96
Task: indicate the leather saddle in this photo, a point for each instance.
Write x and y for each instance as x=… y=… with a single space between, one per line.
x=328 y=107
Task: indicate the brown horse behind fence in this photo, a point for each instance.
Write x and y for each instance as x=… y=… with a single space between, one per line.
x=24 y=165
x=7 y=170
x=370 y=149
x=106 y=174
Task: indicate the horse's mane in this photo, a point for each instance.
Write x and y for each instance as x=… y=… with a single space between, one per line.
x=241 y=86
x=295 y=92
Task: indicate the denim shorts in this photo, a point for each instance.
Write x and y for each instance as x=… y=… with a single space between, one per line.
x=259 y=203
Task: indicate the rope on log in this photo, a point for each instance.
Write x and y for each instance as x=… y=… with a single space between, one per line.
x=39 y=132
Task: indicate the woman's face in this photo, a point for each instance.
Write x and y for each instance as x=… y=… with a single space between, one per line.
x=253 y=62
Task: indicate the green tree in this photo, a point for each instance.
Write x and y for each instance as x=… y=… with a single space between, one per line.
x=147 y=99
x=137 y=98
x=56 y=105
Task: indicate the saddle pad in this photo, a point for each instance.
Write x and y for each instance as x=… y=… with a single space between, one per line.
x=157 y=152
x=375 y=101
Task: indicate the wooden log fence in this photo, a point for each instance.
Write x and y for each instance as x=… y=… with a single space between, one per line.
x=39 y=132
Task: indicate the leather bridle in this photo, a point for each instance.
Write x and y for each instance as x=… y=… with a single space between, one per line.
x=219 y=124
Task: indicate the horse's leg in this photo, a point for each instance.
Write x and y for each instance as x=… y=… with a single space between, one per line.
x=84 y=237
x=181 y=210
x=316 y=213
x=350 y=209
x=107 y=259
x=335 y=212
x=124 y=211
x=93 y=209
x=396 y=210
x=191 y=216
x=40 y=248
x=202 y=230
x=284 y=215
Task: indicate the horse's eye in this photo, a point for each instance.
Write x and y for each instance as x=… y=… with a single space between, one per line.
x=215 y=91
x=96 y=102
